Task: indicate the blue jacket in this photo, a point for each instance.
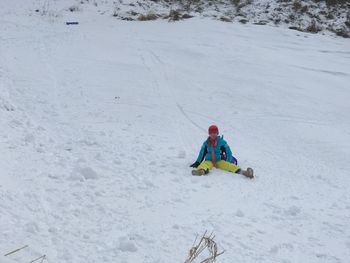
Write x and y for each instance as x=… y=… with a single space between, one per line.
x=220 y=147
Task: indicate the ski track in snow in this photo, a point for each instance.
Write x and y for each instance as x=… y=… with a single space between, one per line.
x=101 y=121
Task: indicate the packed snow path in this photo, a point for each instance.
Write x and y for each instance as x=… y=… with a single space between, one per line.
x=100 y=121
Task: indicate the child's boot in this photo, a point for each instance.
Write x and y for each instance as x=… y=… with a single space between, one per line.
x=198 y=172
x=248 y=173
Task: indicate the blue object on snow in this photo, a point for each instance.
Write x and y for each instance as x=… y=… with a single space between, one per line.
x=72 y=23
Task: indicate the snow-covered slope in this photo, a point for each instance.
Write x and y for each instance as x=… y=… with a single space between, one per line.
x=100 y=121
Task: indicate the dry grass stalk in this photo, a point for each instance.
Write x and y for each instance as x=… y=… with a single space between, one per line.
x=206 y=242
x=16 y=250
x=41 y=257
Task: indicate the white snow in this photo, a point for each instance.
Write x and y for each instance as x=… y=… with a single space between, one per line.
x=99 y=123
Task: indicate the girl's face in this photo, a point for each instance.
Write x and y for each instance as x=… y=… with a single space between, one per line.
x=213 y=135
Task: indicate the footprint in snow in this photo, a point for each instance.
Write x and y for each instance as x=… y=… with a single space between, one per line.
x=29 y=138
x=293 y=197
x=181 y=155
x=284 y=246
x=239 y=213
x=99 y=157
x=82 y=174
x=126 y=245
x=32 y=227
x=292 y=211
x=176 y=226
x=348 y=244
x=175 y=180
x=117 y=162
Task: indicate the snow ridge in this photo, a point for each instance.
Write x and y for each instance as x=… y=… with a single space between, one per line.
x=308 y=16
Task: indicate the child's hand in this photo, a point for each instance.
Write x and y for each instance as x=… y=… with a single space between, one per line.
x=195 y=165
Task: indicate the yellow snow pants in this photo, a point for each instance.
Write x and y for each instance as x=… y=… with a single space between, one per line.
x=226 y=166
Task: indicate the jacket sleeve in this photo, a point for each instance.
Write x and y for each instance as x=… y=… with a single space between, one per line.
x=228 y=151
x=202 y=153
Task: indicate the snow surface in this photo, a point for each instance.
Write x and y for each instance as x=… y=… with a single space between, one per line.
x=100 y=121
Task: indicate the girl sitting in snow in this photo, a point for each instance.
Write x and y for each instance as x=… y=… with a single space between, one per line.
x=217 y=154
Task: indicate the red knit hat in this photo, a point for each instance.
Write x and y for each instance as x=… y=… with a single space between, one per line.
x=213 y=129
